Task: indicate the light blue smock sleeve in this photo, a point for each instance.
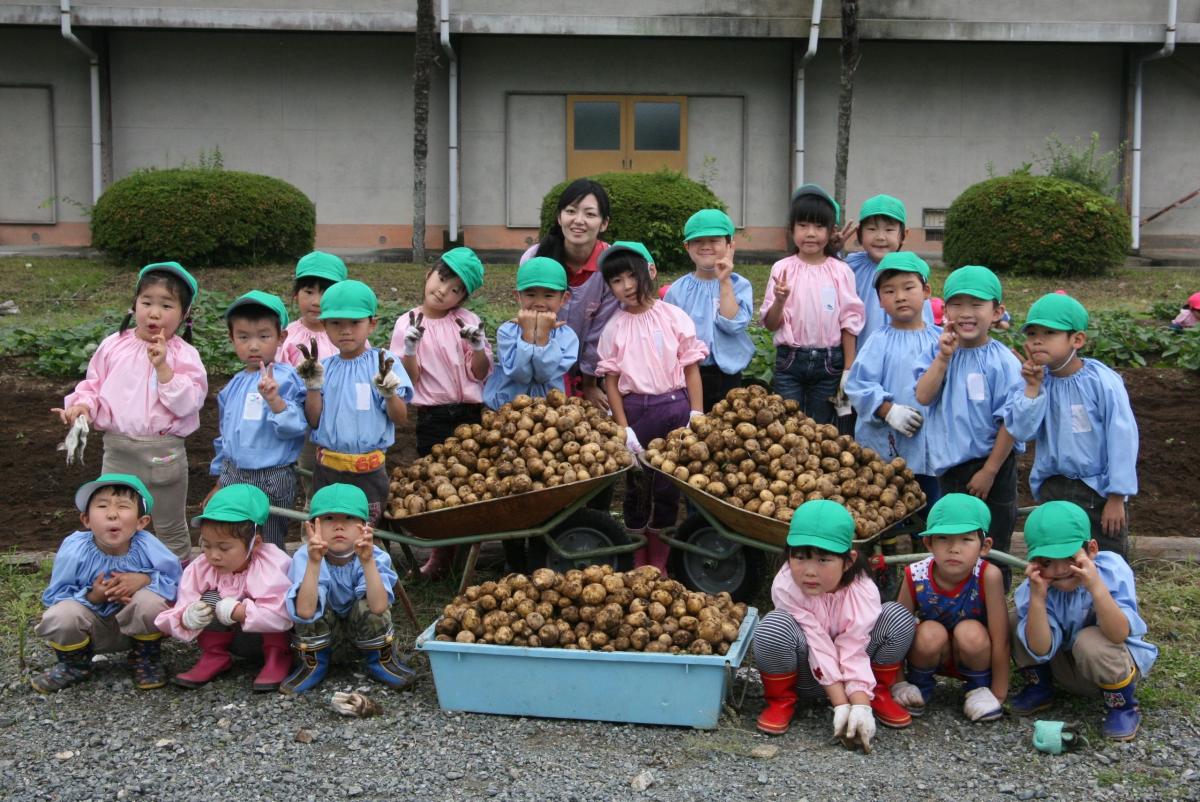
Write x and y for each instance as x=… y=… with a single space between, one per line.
x=291 y=423
x=296 y=575
x=162 y=566
x=386 y=573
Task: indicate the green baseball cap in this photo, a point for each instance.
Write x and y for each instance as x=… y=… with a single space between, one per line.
x=542 y=271
x=85 y=492
x=822 y=524
x=708 y=223
x=319 y=264
x=339 y=498
x=883 y=206
x=1056 y=530
x=819 y=191
x=903 y=262
x=466 y=266
x=260 y=298
x=236 y=503
x=973 y=280
x=957 y=514
x=348 y=300
x=1057 y=311
x=177 y=270
x=625 y=246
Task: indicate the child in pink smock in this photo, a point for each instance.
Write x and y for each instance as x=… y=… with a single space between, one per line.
x=829 y=635
x=448 y=358
x=651 y=356
x=144 y=389
x=813 y=307
x=239 y=583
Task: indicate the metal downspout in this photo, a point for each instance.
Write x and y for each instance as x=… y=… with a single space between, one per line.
x=449 y=50
x=64 y=8
x=814 y=32
x=1135 y=200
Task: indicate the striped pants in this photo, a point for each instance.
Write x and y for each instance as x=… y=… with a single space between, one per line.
x=278 y=483
x=780 y=646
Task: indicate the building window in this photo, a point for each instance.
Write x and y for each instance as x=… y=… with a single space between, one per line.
x=630 y=133
x=934 y=223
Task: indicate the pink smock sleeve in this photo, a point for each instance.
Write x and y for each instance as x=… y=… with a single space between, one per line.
x=87 y=392
x=609 y=352
x=691 y=348
x=184 y=395
x=860 y=610
x=170 y=621
x=852 y=313
x=267 y=586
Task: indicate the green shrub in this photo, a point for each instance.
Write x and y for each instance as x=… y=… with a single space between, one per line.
x=1035 y=225
x=203 y=217
x=650 y=208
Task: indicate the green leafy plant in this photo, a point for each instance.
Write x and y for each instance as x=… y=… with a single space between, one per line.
x=762 y=364
x=1125 y=340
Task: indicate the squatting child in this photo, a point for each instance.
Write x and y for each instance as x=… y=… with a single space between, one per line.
x=342 y=588
x=1077 y=622
x=109 y=580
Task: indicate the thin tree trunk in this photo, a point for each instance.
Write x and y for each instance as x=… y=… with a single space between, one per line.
x=425 y=55
x=850 y=59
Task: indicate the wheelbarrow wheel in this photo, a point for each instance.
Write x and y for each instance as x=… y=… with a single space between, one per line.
x=739 y=573
x=584 y=531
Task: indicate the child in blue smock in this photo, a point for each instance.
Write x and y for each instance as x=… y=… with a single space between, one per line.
x=355 y=398
x=1079 y=413
x=717 y=300
x=881 y=230
x=880 y=386
x=342 y=585
x=1077 y=623
x=535 y=350
x=967 y=380
x=261 y=410
x=109 y=581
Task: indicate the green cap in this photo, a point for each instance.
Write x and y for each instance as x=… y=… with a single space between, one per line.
x=348 y=300
x=84 y=494
x=904 y=262
x=1056 y=530
x=466 y=266
x=542 y=271
x=819 y=191
x=236 y=503
x=883 y=206
x=1057 y=311
x=319 y=264
x=625 y=246
x=973 y=280
x=177 y=270
x=708 y=223
x=822 y=524
x=957 y=514
x=346 y=499
x=260 y=298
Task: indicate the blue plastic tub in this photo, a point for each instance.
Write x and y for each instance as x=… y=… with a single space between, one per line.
x=683 y=690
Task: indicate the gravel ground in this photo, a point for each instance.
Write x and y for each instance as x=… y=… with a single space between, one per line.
x=106 y=740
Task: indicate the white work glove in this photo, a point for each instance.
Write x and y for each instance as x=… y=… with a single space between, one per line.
x=905 y=420
x=841 y=717
x=860 y=727
x=695 y=413
x=982 y=705
x=76 y=441
x=631 y=441
x=386 y=382
x=311 y=370
x=225 y=608
x=473 y=335
x=354 y=704
x=416 y=330
x=198 y=615
x=908 y=695
x=841 y=401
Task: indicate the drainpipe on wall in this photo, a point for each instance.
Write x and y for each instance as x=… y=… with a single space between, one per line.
x=1135 y=181
x=814 y=31
x=64 y=8
x=449 y=50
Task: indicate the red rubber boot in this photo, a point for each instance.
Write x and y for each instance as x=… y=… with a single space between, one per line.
x=214 y=659
x=779 y=692
x=438 y=565
x=889 y=712
x=277 y=661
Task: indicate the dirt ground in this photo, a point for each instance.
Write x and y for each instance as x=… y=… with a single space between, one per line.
x=37 y=508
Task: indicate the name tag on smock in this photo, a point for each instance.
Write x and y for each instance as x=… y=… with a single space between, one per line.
x=362 y=401
x=976 y=387
x=828 y=299
x=1080 y=422
x=252 y=409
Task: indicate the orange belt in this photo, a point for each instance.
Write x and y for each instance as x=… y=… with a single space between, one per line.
x=350 y=463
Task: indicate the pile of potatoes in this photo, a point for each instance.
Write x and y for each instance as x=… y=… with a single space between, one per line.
x=594 y=609
x=525 y=445
x=758 y=452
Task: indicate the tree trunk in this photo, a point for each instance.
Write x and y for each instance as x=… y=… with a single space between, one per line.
x=850 y=58
x=424 y=59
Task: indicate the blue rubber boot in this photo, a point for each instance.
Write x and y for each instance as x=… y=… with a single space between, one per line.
x=312 y=668
x=924 y=680
x=145 y=659
x=1038 y=693
x=381 y=662
x=1123 y=718
x=73 y=667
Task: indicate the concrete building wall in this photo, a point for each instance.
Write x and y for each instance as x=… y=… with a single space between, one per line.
x=1171 y=147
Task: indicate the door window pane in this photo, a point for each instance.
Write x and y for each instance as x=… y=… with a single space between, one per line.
x=597 y=125
x=655 y=126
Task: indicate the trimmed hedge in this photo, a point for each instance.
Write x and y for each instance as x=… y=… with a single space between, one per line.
x=203 y=217
x=1037 y=225
x=650 y=208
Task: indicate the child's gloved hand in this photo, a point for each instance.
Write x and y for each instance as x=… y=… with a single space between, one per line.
x=354 y=704
x=474 y=335
x=695 y=413
x=980 y=705
x=311 y=370
x=198 y=615
x=840 y=400
x=226 y=609
x=416 y=330
x=631 y=441
x=841 y=717
x=908 y=695
x=905 y=420
x=386 y=382
x=860 y=727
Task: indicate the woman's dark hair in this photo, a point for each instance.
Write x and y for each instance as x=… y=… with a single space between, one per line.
x=857 y=568
x=176 y=286
x=242 y=530
x=629 y=262
x=552 y=244
x=308 y=282
x=812 y=209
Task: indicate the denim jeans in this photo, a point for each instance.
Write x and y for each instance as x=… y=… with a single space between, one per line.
x=810 y=376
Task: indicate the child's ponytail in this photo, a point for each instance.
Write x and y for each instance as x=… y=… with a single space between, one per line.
x=125 y=323
x=187 y=328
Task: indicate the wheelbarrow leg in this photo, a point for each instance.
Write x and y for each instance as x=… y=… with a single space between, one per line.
x=407 y=603
x=409 y=558
x=469 y=568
